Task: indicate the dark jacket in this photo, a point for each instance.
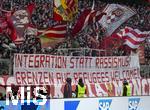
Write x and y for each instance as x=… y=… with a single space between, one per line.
x=68 y=89
x=125 y=88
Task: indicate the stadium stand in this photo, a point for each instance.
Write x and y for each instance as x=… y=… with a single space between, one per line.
x=89 y=41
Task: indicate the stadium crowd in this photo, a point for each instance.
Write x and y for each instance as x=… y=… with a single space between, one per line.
x=88 y=40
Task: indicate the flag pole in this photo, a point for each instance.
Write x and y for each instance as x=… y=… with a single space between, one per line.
x=93 y=5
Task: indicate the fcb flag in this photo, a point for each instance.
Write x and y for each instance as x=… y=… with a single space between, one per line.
x=87 y=17
x=65 y=9
x=53 y=35
x=20 y=19
x=82 y=21
x=115 y=16
x=133 y=37
x=127 y=39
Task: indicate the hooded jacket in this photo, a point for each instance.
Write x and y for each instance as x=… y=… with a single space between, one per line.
x=80 y=83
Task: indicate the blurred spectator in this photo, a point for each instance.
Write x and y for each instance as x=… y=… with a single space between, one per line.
x=68 y=88
x=80 y=89
x=126 y=88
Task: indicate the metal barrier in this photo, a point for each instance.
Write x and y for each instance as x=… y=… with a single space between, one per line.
x=85 y=52
x=5 y=67
x=145 y=71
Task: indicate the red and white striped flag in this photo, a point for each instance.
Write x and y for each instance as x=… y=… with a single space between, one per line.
x=58 y=31
x=72 y=5
x=88 y=16
x=132 y=37
x=53 y=35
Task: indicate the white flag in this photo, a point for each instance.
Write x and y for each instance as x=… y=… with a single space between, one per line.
x=115 y=16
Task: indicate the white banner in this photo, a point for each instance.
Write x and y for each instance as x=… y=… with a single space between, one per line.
x=116 y=15
x=42 y=69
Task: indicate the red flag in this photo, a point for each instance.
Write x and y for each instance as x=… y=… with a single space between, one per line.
x=132 y=37
x=112 y=42
x=13 y=35
x=83 y=19
x=1 y=30
x=3 y=24
x=57 y=17
x=6 y=26
x=88 y=16
x=30 y=8
x=72 y=5
x=53 y=35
